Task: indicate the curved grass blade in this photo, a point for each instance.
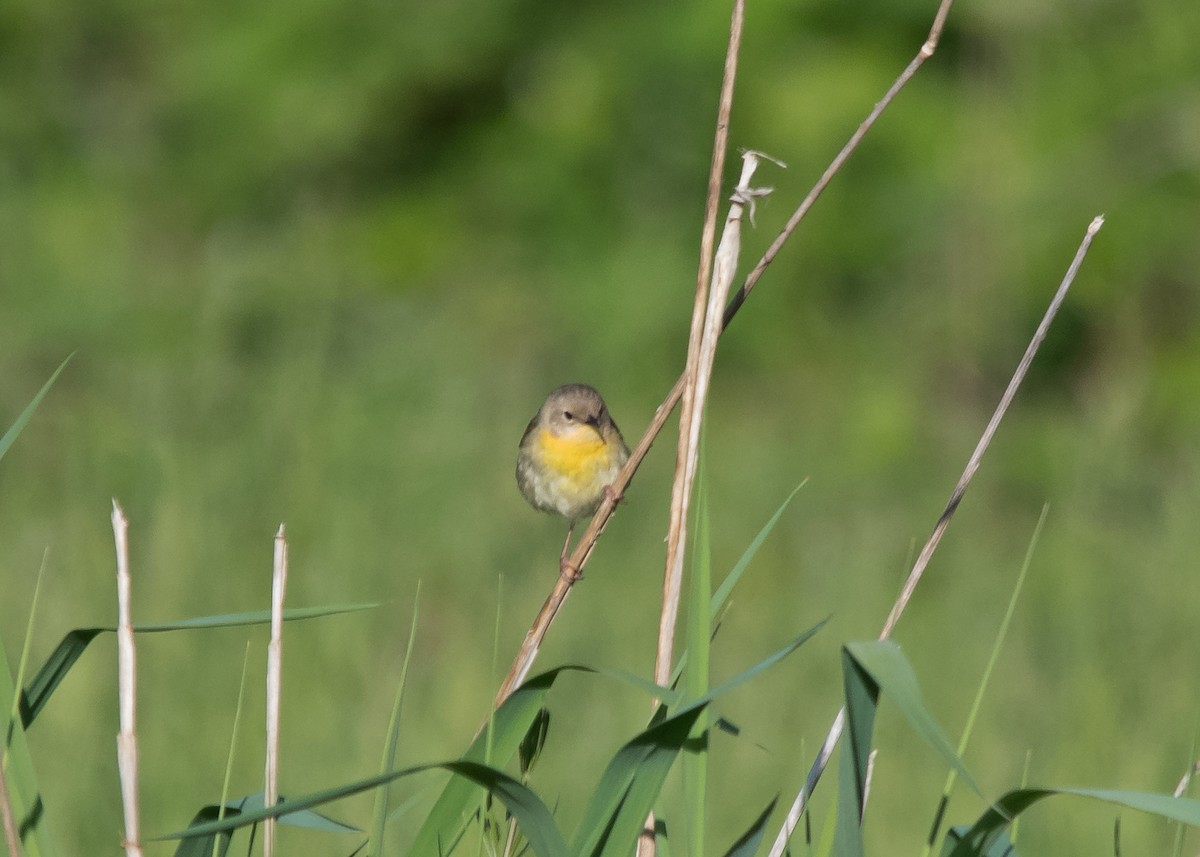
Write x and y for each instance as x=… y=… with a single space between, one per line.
x=633 y=778
x=723 y=591
x=535 y=819
x=23 y=420
x=726 y=588
x=510 y=724
x=891 y=671
x=862 y=703
x=37 y=693
x=982 y=837
x=24 y=796
x=630 y=784
x=212 y=845
x=984 y=680
x=747 y=844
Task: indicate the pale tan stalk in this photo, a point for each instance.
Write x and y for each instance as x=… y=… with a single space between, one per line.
x=274 y=686
x=914 y=577
x=127 y=750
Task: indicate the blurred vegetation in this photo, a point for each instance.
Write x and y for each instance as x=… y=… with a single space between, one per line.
x=321 y=262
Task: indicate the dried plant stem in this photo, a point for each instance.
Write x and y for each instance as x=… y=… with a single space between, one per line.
x=835 y=165
x=689 y=427
x=695 y=376
x=274 y=684
x=127 y=753
x=922 y=562
x=526 y=655
x=693 y=409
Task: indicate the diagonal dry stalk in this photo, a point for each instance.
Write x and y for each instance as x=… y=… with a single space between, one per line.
x=922 y=562
x=127 y=751
x=274 y=684
x=528 y=651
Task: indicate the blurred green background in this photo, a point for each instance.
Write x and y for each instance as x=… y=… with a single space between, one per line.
x=321 y=261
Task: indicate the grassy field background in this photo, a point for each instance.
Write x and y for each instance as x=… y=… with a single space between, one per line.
x=320 y=263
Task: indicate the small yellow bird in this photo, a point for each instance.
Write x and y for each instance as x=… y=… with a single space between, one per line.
x=569 y=456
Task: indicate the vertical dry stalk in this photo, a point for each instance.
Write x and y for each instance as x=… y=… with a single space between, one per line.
x=922 y=562
x=695 y=394
x=701 y=365
x=127 y=753
x=530 y=646
x=274 y=683
x=700 y=311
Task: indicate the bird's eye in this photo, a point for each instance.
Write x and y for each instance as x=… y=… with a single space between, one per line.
x=567 y=415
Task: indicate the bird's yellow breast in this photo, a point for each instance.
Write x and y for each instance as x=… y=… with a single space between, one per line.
x=580 y=456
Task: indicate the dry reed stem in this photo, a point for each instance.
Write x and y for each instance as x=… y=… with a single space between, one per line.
x=583 y=548
x=922 y=562
x=10 y=826
x=127 y=752
x=835 y=165
x=274 y=684
x=530 y=646
x=692 y=412
x=689 y=418
x=681 y=486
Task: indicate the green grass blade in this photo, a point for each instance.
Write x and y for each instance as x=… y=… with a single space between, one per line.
x=981 y=838
x=450 y=813
x=15 y=430
x=213 y=845
x=631 y=781
x=629 y=786
x=380 y=815
x=50 y=675
x=535 y=819
x=695 y=765
x=24 y=796
x=985 y=679
x=889 y=668
x=828 y=831
x=722 y=594
x=747 y=844
x=766 y=663
x=862 y=704
x=237 y=719
x=27 y=645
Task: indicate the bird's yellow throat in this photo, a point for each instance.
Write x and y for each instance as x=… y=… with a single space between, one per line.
x=578 y=454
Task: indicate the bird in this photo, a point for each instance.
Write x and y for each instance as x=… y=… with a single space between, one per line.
x=568 y=458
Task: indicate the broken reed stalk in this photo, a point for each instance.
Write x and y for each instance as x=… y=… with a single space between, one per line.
x=274 y=684
x=127 y=752
x=922 y=561
x=689 y=418
x=692 y=412
x=700 y=374
x=693 y=400
x=526 y=655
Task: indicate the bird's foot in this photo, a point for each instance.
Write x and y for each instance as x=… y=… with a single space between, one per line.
x=568 y=571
